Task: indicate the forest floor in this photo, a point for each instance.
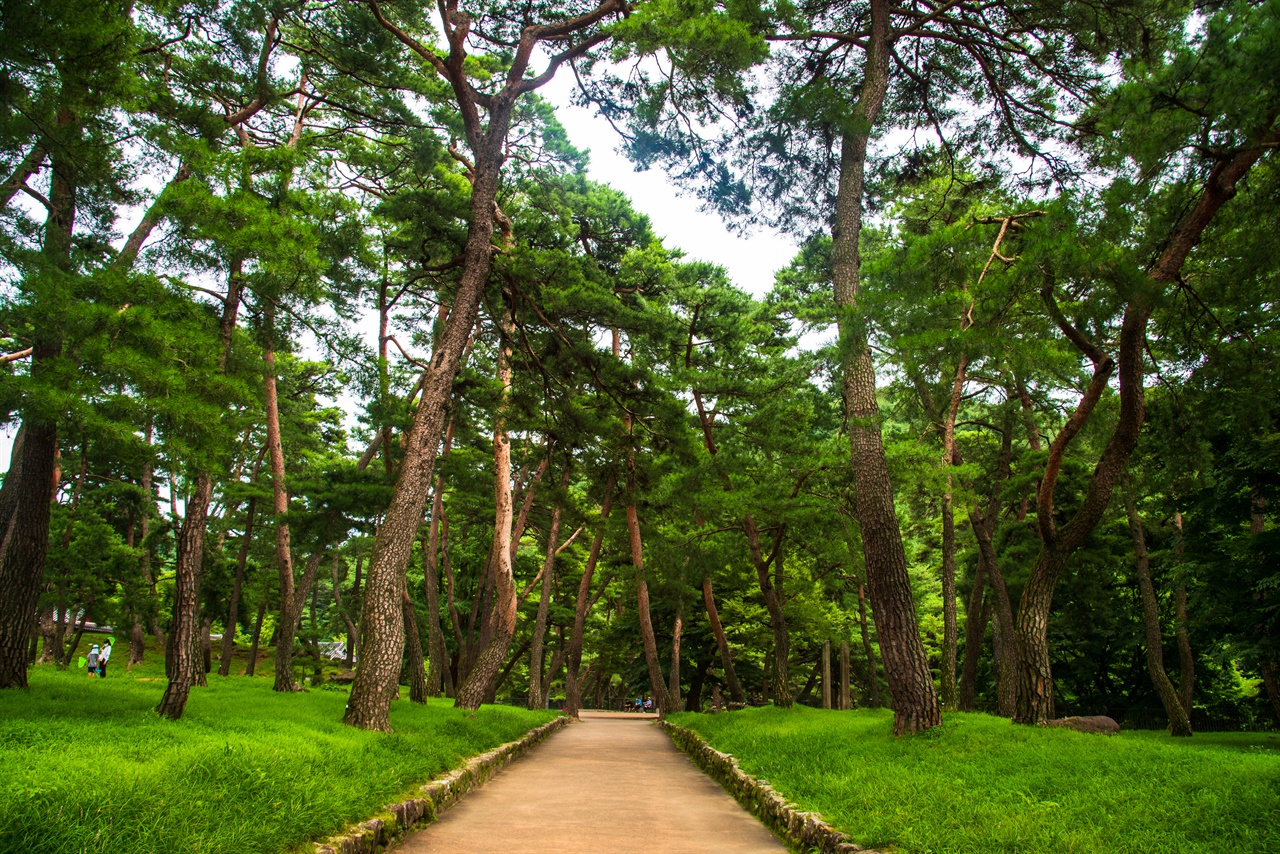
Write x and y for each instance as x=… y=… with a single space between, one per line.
x=612 y=782
x=86 y=765
x=982 y=784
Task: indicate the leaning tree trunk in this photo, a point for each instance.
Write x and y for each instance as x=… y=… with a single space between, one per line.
x=915 y=699
x=722 y=644
x=1035 y=684
x=183 y=647
x=873 y=677
x=656 y=684
x=780 y=677
x=537 y=699
x=437 y=651
x=949 y=621
x=1179 y=722
x=381 y=620
x=482 y=678
x=573 y=656
x=673 y=673
x=242 y=557
x=417 y=672
x=27 y=494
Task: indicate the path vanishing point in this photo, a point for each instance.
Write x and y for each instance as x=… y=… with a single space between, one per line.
x=612 y=783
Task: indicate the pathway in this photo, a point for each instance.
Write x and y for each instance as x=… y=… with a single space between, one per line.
x=612 y=783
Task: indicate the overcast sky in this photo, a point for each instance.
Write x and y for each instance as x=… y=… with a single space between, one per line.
x=751 y=259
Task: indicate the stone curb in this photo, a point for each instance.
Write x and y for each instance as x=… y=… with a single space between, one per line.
x=805 y=831
x=436 y=797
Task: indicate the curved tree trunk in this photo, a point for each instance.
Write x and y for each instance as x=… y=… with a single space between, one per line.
x=915 y=698
x=537 y=699
x=482 y=678
x=573 y=655
x=242 y=557
x=1179 y=722
x=726 y=655
x=780 y=679
x=656 y=684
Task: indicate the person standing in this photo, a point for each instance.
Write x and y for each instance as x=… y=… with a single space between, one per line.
x=103 y=657
x=93 y=660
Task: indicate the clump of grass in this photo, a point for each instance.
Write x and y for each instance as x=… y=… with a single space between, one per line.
x=982 y=784
x=87 y=766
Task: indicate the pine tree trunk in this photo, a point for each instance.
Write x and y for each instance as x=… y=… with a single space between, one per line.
x=573 y=656
x=1186 y=661
x=722 y=644
x=381 y=620
x=1005 y=648
x=137 y=644
x=873 y=677
x=242 y=558
x=673 y=672
x=780 y=679
x=975 y=628
x=27 y=494
x=656 y=684
x=437 y=654
x=417 y=673
x=183 y=654
x=846 y=696
x=257 y=636
x=538 y=700
x=1179 y=722
x=826 y=674
x=502 y=626
x=915 y=699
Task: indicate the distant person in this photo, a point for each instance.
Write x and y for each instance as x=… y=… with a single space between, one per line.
x=93 y=660
x=648 y=704
x=103 y=657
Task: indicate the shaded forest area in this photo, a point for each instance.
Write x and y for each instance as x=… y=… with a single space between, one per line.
x=314 y=329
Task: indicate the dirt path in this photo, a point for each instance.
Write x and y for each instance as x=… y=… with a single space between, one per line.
x=612 y=783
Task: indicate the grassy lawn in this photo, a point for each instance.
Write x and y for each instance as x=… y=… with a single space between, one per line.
x=86 y=765
x=981 y=784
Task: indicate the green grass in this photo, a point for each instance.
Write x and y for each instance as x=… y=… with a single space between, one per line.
x=982 y=784
x=87 y=766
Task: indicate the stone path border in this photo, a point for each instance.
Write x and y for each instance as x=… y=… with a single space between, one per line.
x=804 y=831
x=437 y=796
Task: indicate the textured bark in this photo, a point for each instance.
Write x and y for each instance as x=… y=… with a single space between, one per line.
x=346 y=618
x=26 y=496
x=726 y=655
x=950 y=459
x=538 y=699
x=673 y=672
x=183 y=655
x=290 y=617
x=915 y=699
x=975 y=627
x=1179 y=722
x=873 y=678
x=137 y=644
x=573 y=655
x=780 y=680
x=413 y=658
x=288 y=621
x=1005 y=648
x=846 y=696
x=257 y=636
x=826 y=674
x=437 y=655
x=656 y=684
x=242 y=557
x=482 y=678
x=1186 y=661
x=1035 y=683
x=183 y=649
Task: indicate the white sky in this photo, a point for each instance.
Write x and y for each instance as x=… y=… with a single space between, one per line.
x=750 y=259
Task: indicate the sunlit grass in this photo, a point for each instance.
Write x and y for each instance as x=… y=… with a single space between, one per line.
x=982 y=784
x=87 y=766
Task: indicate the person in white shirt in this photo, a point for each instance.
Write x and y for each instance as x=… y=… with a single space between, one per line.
x=103 y=657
